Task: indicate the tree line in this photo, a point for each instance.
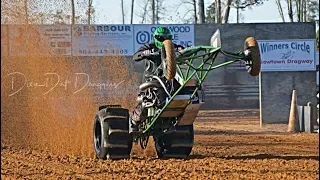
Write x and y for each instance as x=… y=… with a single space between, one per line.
x=218 y=11
x=151 y=11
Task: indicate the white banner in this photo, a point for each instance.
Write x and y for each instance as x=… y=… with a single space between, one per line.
x=59 y=38
x=39 y=40
x=287 y=55
x=102 y=40
x=182 y=34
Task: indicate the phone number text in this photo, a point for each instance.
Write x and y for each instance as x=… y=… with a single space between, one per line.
x=104 y=51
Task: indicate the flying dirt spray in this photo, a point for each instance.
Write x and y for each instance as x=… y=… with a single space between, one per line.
x=49 y=100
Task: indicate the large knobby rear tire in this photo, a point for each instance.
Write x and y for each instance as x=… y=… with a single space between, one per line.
x=177 y=144
x=111 y=136
x=254 y=56
x=168 y=57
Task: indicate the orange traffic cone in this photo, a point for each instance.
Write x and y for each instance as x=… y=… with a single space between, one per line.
x=293 y=124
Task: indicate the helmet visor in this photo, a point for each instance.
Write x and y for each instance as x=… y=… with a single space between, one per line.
x=162 y=38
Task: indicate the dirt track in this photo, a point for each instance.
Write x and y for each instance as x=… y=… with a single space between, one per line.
x=226 y=147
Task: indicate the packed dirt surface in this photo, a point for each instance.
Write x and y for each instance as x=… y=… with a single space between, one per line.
x=228 y=145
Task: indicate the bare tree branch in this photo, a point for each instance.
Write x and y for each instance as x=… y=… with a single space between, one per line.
x=185 y=14
x=193 y=3
x=290 y=12
x=280 y=10
x=144 y=11
x=225 y=18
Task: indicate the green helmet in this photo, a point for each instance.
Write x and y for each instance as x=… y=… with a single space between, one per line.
x=161 y=34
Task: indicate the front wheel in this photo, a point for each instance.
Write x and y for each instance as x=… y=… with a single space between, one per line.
x=254 y=63
x=111 y=136
x=168 y=57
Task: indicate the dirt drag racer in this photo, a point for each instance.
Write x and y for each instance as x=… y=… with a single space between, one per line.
x=171 y=95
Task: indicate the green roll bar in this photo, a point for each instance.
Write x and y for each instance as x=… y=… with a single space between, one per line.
x=207 y=54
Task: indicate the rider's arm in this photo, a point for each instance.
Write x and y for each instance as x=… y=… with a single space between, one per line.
x=137 y=56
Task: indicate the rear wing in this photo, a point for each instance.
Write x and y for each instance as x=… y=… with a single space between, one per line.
x=215 y=40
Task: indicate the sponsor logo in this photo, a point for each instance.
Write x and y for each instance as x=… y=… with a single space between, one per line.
x=79 y=30
x=143 y=37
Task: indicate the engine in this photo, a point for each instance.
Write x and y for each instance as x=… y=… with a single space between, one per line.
x=152 y=97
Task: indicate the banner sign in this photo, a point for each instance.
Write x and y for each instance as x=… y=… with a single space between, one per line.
x=182 y=34
x=24 y=40
x=40 y=40
x=59 y=38
x=102 y=40
x=287 y=55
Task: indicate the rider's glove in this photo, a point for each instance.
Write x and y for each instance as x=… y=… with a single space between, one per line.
x=179 y=47
x=146 y=52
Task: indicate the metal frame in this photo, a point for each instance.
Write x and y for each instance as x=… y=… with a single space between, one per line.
x=187 y=57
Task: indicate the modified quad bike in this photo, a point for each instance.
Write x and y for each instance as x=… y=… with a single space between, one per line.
x=171 y=96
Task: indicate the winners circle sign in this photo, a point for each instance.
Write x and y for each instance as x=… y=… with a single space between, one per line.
x=287 y=55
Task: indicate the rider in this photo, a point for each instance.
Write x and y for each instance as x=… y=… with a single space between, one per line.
x=144 y=52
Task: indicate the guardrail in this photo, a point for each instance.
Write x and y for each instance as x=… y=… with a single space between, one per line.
x=244 y=91
x=231 y=97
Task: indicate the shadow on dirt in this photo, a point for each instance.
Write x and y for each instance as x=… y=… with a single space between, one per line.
x=192 y=156
x=235 y=132
x=197 y=156
x=256 y=157
x=271 y=156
